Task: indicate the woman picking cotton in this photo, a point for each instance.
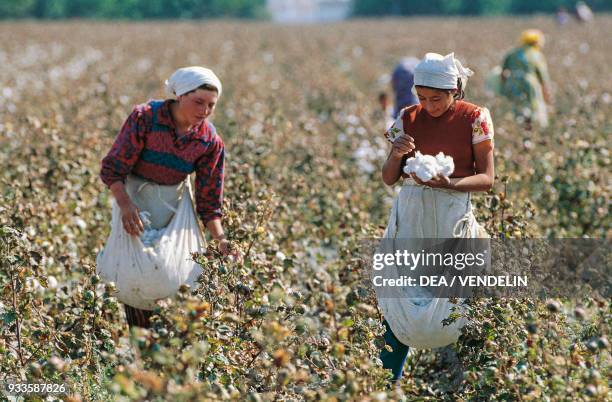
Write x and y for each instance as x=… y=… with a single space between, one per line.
x=525 y=79
x=433 y=205
x=147 y=170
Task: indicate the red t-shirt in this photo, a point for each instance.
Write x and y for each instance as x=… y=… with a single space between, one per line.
x=454 y=133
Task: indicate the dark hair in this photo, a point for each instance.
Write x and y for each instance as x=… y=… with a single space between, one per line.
x=206 y=87
x=460 y=94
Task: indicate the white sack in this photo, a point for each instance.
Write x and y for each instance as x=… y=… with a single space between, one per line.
x=143 y=274
x=424 y=212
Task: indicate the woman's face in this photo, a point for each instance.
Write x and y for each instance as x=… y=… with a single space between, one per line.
x=197 y=105
x=435 y=102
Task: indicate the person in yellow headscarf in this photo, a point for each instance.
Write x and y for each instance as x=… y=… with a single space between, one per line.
x=525 y=79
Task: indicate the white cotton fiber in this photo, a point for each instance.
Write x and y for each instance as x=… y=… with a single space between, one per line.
x=149 y=236
x=446 y=164
x=427 y=167
x=144 y=217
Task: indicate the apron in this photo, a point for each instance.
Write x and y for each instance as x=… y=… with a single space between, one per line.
x=425 y=212
x=159 y=202
x=422 y=212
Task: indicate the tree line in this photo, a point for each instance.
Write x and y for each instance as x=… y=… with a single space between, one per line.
x=132 y=9
x=256 y=9
x=365 y=8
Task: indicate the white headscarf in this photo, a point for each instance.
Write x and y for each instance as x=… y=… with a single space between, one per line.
x=187 y=79
x=442 y=72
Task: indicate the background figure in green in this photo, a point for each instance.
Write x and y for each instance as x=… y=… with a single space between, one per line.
x=525 y=79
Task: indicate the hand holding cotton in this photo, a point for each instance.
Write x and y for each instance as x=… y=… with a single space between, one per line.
x=426 y=167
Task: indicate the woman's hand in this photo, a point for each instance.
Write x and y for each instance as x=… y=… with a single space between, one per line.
x=437 y=182
x=226 y=249
x=391 y=170
x=403 y=145
x=546 y=95
x=130 y=216
x=216 y=230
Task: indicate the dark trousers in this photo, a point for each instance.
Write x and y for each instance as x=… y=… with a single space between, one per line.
x=137 y=317
x=393 y=360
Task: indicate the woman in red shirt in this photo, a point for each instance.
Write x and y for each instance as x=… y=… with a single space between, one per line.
x=441 y=207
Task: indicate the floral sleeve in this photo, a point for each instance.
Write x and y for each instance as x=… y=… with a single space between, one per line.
x=482 y=125
x=396 y=129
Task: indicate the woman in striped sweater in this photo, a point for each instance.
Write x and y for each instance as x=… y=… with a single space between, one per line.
x=163 y=141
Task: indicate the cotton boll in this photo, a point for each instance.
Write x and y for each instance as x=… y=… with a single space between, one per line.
x=367 y=157
x=51 y=282
x=32 y=284
x=80 y=223
x=366 y=166
x=150 y=237
x=100 y=288
x=144 y=217
x=425 y=173
x=424 y=166
x=427 y=167
x=411 y=165
x=446 y=164
x=430 y=161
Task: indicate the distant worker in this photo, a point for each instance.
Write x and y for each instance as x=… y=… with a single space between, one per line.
x=562 y=16
x=525 y=79
x=583 y=12
x=385 y=109
x=402 y=82
x=493 y=82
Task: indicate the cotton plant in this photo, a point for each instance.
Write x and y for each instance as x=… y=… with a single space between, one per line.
x=32 y=284
x=426 y=167
x=368 y=156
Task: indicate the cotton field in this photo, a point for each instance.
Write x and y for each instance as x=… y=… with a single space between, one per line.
x=294 y=318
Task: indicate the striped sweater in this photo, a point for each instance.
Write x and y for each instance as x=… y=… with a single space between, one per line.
x=148 y=146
